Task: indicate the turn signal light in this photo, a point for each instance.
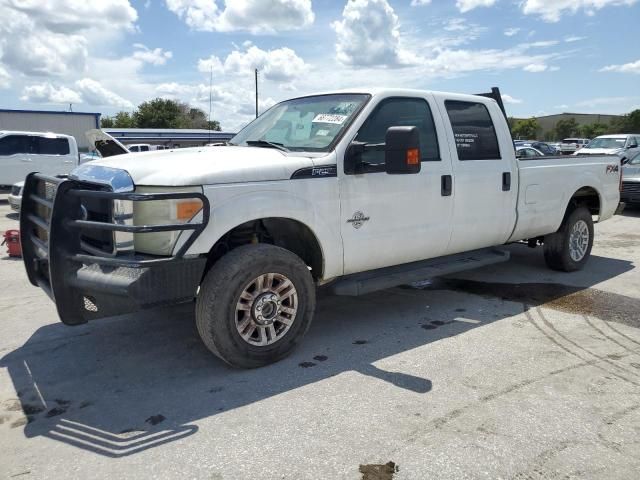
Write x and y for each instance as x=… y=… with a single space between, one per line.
x=413 y=156
x=186 y=210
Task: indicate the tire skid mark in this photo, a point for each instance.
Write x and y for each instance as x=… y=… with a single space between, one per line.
x=616 y=417
x=608 y=337
x=569 y=351
x=622 y=334
x=568 y=340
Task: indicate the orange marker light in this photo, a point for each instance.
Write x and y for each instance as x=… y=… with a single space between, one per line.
x=413 y=156
x=186 y=210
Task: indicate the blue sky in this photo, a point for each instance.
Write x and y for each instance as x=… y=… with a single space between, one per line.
x=547 y=56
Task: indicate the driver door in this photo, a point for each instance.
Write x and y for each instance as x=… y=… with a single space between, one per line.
x=394 y=219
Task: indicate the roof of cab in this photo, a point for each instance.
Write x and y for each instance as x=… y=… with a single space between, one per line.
x=38 y=134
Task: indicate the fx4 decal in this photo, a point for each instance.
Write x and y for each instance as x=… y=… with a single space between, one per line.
x=614 y=168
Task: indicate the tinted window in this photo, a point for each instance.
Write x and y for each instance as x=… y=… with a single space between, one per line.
x=473 y=130
x=52 y=146
x=400 y=112
x=134 y=149
x=15 y=144
x=144 y=148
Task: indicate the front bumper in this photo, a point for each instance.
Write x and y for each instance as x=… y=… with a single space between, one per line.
x=84 y=282
x=630 y=191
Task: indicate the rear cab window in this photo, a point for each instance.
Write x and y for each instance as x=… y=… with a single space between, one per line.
x=473 y=130
x=52 y=146
x=16 y=145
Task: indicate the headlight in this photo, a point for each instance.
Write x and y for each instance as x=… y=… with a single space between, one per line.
x=162 y=212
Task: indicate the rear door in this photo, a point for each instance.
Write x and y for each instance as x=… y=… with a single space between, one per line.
x=484 y=174
x=52 y=155
x=16 y=159
x=394 y=219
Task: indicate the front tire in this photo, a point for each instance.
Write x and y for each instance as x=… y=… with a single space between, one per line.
x=569 y=248
x=255 y=305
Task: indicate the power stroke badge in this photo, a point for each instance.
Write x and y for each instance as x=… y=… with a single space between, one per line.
x=358 y=220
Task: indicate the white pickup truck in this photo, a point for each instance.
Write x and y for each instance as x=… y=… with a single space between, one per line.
x=354 y=191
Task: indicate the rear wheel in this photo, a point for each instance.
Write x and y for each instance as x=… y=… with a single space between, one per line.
x=570 y=247
x=255 y=305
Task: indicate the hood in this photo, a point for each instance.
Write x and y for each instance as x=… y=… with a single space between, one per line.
x=207 y=165
x=105 y=143
x=599 y=151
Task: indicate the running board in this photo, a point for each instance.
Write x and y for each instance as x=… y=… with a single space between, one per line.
x=373 y=280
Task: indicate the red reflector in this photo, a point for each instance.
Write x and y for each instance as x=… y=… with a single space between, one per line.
x=413 y=156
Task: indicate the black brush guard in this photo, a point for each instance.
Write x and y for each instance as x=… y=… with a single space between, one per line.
x=85 y=284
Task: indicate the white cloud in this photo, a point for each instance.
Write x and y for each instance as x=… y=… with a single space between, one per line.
x=256 y=16
x=510 y=100
x=632 y=67
x=536 y=68
x=420 y=3
x=280 y=64
x=574 y=38
x=157 y=56
x=5 y=78
x=552 y=10
x=456 y=25
x=510 y=32
x=94 y=93
x=51 y=38
x=48 y=93
x=610 y=104
x=467 y=5
x=369 y=34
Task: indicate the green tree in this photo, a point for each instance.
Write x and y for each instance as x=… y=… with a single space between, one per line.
x=159 y=113
x=124 y=120
x=106 y=122
x=629 y=123
x=566 y=128
x=594 y=130
x=526 y=129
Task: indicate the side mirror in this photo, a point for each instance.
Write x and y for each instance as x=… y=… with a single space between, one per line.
x=402 y=150
x=633 y=145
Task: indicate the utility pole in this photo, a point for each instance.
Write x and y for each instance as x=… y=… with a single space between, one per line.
x=210 y=100
x=256 y=72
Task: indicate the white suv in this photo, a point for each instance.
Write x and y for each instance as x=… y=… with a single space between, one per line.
x=24 y=152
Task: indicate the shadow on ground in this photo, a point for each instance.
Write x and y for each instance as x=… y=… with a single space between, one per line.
x=122 y=385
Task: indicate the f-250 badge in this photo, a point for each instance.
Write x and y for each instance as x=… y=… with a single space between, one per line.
x=358 y=220
x=612 y=168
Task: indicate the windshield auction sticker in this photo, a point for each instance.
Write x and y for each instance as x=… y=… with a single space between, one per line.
x=329 y=118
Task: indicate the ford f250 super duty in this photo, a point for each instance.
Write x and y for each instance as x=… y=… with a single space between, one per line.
x=354 y=191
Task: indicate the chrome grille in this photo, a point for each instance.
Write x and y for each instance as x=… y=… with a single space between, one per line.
x=630 y=191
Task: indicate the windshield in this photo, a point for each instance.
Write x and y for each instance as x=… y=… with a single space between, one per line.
x=617 y=142
x=308 y=123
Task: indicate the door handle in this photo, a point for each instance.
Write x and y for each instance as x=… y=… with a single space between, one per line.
x=506 y=181
x=26 y=160
x=68 y=161
x=446 y=185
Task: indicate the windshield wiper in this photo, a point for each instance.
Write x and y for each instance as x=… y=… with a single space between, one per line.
x=266 y=144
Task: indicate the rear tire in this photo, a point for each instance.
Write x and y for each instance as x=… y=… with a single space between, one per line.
x=255 y=305
x=569 y=248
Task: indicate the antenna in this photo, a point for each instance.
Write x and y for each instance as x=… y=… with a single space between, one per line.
x=256 y=72
x=210 y=100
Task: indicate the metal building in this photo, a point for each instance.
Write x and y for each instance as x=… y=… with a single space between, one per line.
x=69 y=123
x=169 y=137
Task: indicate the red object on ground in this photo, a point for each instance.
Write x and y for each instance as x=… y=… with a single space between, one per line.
x=12 y=239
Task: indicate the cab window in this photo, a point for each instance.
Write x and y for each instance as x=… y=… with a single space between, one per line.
x=15 y=145
x=52 y=146
x=399 y=112
x=473 y=130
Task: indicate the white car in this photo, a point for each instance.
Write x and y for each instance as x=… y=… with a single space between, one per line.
x=356 y=191
x=571 y=145
x=526 y=151
x=15 y=196
x=619 y=144
x=45 y=152
x=145 y=147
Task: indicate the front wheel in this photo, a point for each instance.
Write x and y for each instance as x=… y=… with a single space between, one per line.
x=570 y=247
x=255 y=305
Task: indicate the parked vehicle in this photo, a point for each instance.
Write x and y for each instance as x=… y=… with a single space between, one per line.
x=145 y=147
x=15 y=196
x=522 y=152
x=571 y=145
x=630 y=192
x=621 y=144
x=24 y=152
x=353 y=191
